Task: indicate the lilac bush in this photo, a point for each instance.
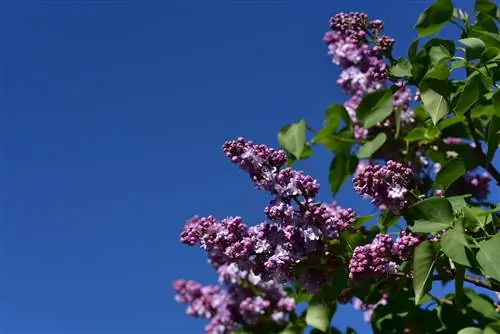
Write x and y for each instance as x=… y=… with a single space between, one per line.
x=416 y=144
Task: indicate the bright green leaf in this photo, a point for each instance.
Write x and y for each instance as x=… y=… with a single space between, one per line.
x=293 y=138
x=438 y=53
x=473 y=46
x=431 y=215
x=434 y=18
x=318 y=314
x=492 y=328
x=374 y=107
x=488 y=257
x=481 y=305
x=449 y=173
x=435 y=104
x=369 y=148
x=470 y=330
x=424 y=260
x=401 y=69
x=455 y=245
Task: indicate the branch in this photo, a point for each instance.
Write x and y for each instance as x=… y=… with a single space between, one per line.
x=483 y=283
x=477 y=281
x=489 y=167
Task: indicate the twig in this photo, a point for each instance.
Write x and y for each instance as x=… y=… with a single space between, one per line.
x=440 y=300
x=488 y=166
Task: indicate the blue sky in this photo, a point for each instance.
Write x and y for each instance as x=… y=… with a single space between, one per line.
x=114 y=113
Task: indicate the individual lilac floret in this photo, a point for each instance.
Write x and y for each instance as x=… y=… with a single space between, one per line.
x=453 y=141
x=405 y=244
x=373 y=260
x=477 y=185
x=386 y=185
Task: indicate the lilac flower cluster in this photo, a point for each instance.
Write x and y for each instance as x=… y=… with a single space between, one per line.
x=369 y=308
x=252 y=304
x=386 y=185
x=357 y=46
x=405 y=244
x=294 y=243
x=381 y=257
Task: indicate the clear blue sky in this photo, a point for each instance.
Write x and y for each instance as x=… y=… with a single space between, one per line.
x=113 y=117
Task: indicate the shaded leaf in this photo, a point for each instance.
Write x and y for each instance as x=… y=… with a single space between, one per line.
x=469 y=96
x=449 y=173
x=493 y=137
x=341 y=167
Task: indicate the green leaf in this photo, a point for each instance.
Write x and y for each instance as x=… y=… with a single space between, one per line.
x=293 y=138
x=449 y=173
x=486 y=7
x=470 y=95
x=455 y=245
x=387 y=220
x=341 y=167
x=416 y=134
x=493 y=137
x=458 y=202
x=437 y=53
x=374 y=107
x=480 y=305
x=431 y=215
x=318 y=314
x=435 y=104
x=434 y=18
x=488 y=257
x=401 y=68
x=424 y=260
x=473 y=46
x=470 y=330
x=470 y=221
x=492 y=328
x=367 y=150
x=496 y=102
x=361 y=220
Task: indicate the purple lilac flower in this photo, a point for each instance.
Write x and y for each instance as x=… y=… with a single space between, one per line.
x=228 y=308
x=386 y=185
x=368 y=308
x=477 y=185
x=373 y=260
x=263 y=165
x=405 y=244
